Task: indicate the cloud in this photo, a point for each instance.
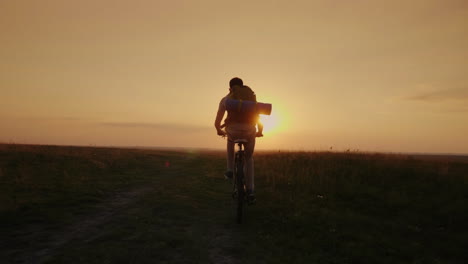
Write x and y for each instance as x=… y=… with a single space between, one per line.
x=52 y=118
x=448 y=95
x=158 y=126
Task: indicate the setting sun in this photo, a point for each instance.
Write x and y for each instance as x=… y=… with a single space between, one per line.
x=278 y=120
x=270 y=123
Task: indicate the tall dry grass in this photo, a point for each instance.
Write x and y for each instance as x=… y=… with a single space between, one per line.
x=32 y=175
x=349 y=174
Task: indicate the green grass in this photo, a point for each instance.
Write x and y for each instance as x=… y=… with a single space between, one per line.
x=317 y=207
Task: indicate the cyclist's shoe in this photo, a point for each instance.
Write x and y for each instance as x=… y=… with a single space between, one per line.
x=251 y=199
x=228 y=175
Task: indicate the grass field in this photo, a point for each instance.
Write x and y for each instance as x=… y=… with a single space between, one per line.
x=109 y=205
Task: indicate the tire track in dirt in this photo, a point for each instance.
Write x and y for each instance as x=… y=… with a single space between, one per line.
x=220 y=236
x=86 y=229
x=43 y=243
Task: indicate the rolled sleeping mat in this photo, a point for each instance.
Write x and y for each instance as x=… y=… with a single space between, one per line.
x=248 y=106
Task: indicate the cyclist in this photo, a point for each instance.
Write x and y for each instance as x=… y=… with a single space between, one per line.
x=240 y=126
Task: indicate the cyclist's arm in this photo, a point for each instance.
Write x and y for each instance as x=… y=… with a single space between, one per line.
x=219 y=117
x=259 y=128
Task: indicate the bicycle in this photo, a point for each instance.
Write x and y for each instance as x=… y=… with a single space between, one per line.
x=239 y=194
x=239 y=187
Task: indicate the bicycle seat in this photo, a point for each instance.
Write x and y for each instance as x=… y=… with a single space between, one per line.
x=241 y=140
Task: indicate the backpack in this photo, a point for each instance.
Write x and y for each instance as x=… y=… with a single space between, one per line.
x=243 y=93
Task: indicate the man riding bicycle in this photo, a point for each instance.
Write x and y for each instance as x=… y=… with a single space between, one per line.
x=240 y=125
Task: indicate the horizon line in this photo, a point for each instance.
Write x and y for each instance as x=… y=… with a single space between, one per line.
x=222 y=149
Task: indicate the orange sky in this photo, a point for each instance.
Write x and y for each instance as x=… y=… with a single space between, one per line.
x=368 y=75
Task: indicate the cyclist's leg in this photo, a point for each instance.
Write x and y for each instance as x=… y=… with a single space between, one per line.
x=249 y=164
x=230 y=155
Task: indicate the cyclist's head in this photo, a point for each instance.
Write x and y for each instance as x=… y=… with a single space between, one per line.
x=235 y=81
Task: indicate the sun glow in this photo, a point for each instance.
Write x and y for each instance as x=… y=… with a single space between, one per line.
x=270 y=123
x=278 y=121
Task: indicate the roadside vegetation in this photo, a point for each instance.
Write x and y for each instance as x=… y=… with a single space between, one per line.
x=95 y=205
